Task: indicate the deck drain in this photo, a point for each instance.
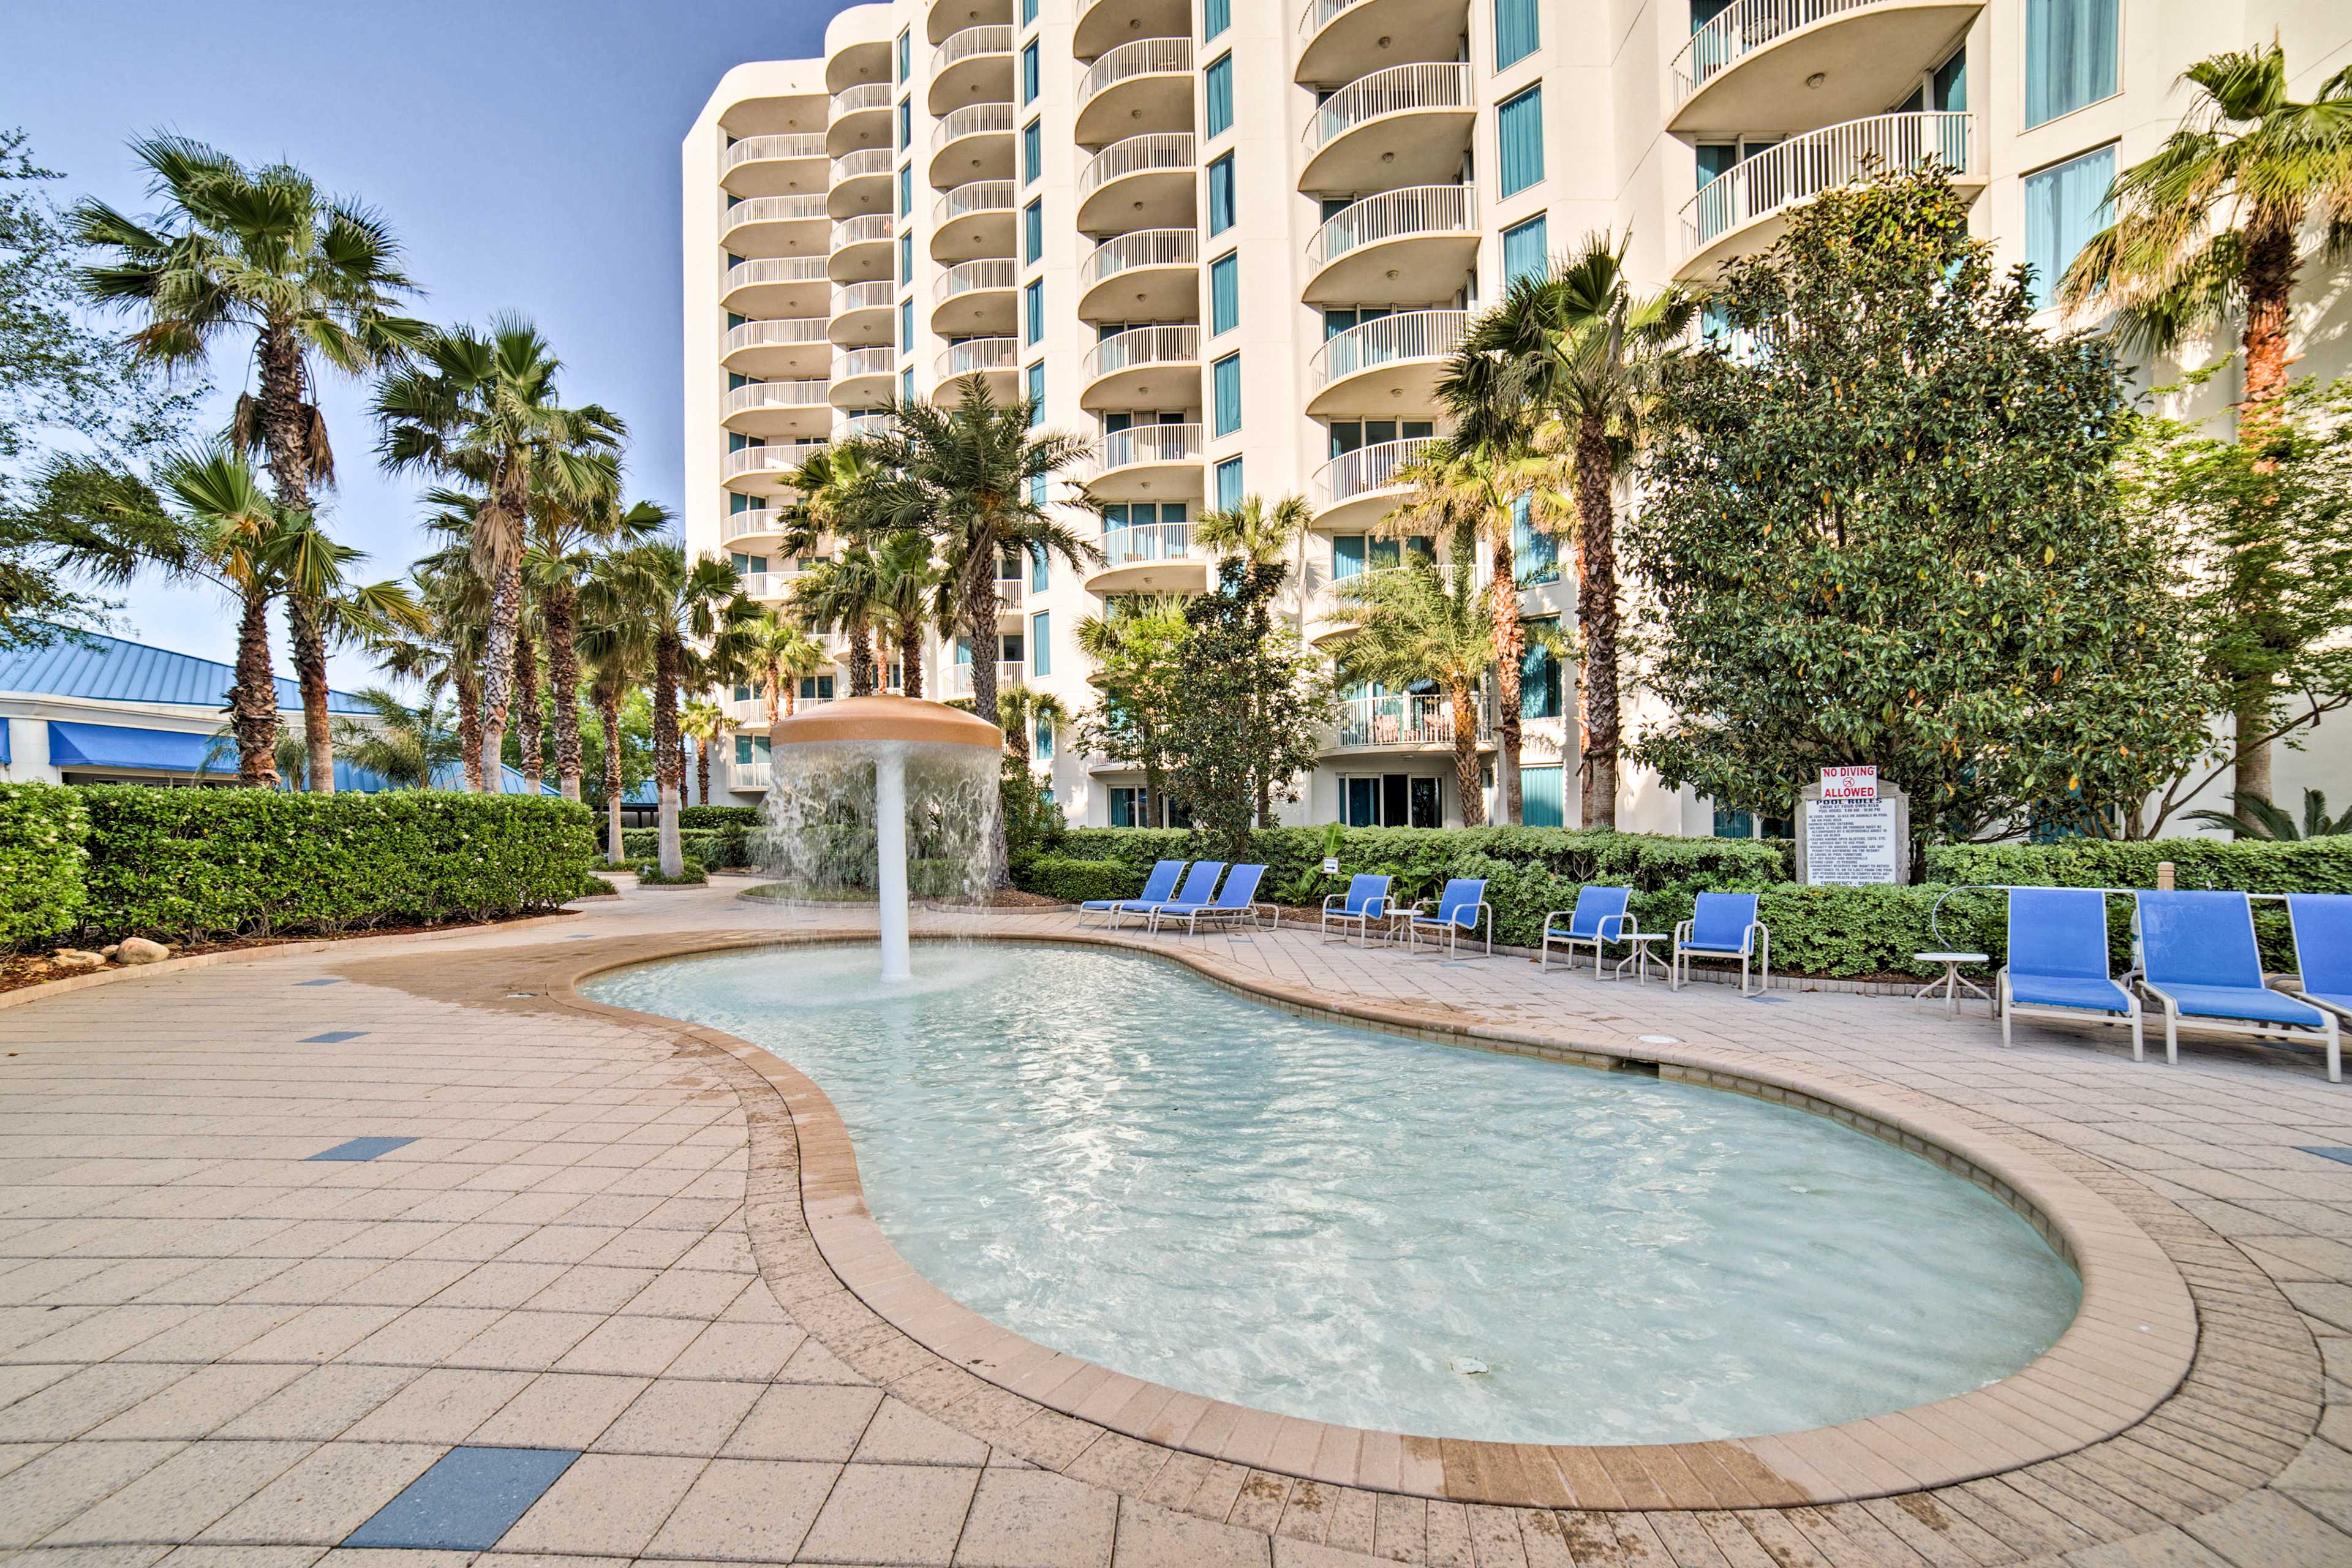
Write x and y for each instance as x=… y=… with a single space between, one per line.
x=1660 y=1040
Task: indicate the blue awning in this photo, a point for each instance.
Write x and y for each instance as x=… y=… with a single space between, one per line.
x=149 y=750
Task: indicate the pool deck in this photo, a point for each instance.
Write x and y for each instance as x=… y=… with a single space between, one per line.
x=582 y=1232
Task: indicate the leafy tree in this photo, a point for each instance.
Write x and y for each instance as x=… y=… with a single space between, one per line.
x=837 y=505
x=1427 y=623
x=908 y=588
x=705 y=722
x=1137 y=649
x=1885 y=530
x=1253 y=706
x=449 y=658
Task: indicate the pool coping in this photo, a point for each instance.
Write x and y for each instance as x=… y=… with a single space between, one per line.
x=2129 y=1347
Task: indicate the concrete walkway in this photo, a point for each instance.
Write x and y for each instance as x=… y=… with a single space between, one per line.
x=546 y=1301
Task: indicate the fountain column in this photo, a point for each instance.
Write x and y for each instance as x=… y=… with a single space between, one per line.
x=890 y=859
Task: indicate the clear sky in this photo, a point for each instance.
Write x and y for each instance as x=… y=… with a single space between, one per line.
x=526 y=152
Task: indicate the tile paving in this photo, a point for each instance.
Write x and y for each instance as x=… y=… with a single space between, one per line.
x=217 y=1349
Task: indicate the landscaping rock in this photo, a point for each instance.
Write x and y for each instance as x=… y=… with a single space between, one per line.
x=109 y=950
x=75 y=958
x=139 y=950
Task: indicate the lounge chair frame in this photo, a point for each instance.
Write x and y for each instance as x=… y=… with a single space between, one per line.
x=1335 y=911
x=1214 y=911
x=1755 y=941
x=1413 y=917
x=1627 y=924
x=2328 y=1030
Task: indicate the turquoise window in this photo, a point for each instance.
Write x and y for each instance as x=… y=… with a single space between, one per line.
x=1045 y=737
x=2065 y=206
x=1225 y=293
x=906 y=385
x=906 y=258
x=1948 y=87
x=1541 y=802
x=1036 y=489
x=1539 y=674
x=906 y=123
x=1029 y=71
x=906 y=326
x=2070 y=56
x=1535 y=557
x=1033 y=307
x=816 y=689
x=1217 y=90
x=1032 y=230
x=1038 y=392
x=1216 y=16
x=1526 y=252
x=1516 y=34
x=1226 y=378
x=906 y=189
x=906 y=54
x=1028 y=12
x=1040 y=655
x=1519 y=140
x=1033 y=151
x=1220 y=195
x=1040 y=571
x=1229 y=484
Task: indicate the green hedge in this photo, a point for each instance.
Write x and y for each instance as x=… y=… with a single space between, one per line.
x=44 y=858
x=690 y=874
x=2246 y=865
x=1075 y=882
x=744 y=817
x=712 y=845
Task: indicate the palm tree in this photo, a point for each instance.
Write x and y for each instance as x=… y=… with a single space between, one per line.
x=406 y=746
x=1023 y=709
x=237 y=529
x=844 y=593
x=1258 y=533
x=325 y=608
x=2211 y=225
x=579 y=513
x=450 y=658
x=778 y=653
x=481 y=408
x=1428 y=623
x=705 y=721
x=907 y=586
x=616 y=647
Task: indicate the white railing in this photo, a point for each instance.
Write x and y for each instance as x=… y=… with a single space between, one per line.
x=1139 y=544
x=856 y=100
x=775 y=269
x=771 y=209
x=851 y=364
x=752 y=712
x=1171 y=343
x=1390 y=339
x=1822 y=160
x=1140 y=56
x=1149 y=444
x=863 y=164
x=986 y=40
x=762 y=149
x=1391 y=91
x=1367 y=470
x=1403 y=721
x=859 y=424
x=879 y=295
x=771 y=395
x=748 y=524
x=1143 y=247
x=988 y=272
x=767 y=585
x=749 y=777
x=1742 y=28
x=1156 y=149
x=975 y=356
x=1394 y=214
x=865 y=229
x=776 y=334
x=972 y=119
x=1318 y=13
x=974 y=196
x=1009 y=673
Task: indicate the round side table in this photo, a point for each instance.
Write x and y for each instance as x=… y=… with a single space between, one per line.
x=1953 y=981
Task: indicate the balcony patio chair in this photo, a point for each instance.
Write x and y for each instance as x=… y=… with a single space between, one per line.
x=1599 y=919
x=1236 y=900
x=1200 y=882
x=1722 y=925
x=2198 y=958
x=2323 y=948
x=1159 y=885
x=1460 y=908
x=2057 y=965
x=1366 y=900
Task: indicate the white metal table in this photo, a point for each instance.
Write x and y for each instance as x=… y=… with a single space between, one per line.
x=1953 y=979
x=1640 y=957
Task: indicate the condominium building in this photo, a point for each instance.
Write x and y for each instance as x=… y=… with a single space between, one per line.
x=1232 y=241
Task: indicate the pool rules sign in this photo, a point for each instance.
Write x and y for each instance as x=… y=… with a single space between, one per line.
x=1852 y=829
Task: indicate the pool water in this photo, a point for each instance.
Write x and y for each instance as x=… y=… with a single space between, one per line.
x=1113 y=1157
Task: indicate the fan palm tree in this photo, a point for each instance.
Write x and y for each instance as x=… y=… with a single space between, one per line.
x=449 y=659
x=325 y=608
x=780 y=653
x=1257 y=532
x=1023 y=708
x=481 y=408
x=406 y=747
x=237 y=529
x=906 y=586
x=616 y=648
x=2256 y=817
x=1427 y=622
x=844 y=593
x=580 y=513
x=704 y=721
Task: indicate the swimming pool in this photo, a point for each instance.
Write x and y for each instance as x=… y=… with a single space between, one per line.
x=1111 y=1156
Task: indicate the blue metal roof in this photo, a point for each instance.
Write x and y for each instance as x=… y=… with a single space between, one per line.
x=110 y=670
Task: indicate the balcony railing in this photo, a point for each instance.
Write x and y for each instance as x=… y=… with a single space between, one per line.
x=864 y=229
x=865 y=95
x=976 y=356
x=776 y=334
x=1390 y=91
x=972 y=119
x=749 y=777
x=985 y=39
x=1394 y=214
x=1742 y=28
x=771 y=209
x=1804 y=167
x=974 y=196
x=748 y=524
x=1140 y=56
x=1009 y=673
x=1144 y=248
x=751 y=712
x=1367 y=470
x=878 y=295
x=852 y=364
x=1149 y=444
x=1141 y=544
x=863 y=164
x=988 y=272
x=1406 y=335
x=1136 y=155
x=1170 y=343
x=760 y=149
x=775 y=269
x=859 y=424
x=767 y=585
x=770 y=394
x=1403 y=721
x=1318 y=13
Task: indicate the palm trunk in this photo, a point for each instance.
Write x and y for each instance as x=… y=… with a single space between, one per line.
x=910 y=660
x=791 y=697
x=310 y=647
x=253 y=701
x=1510 y=649
x=1597 y=618
x=609 y=703
x=280 y=394
x=469 y=728
x=563 y=683
x=861 y=658
x=528 y=714
x=1464 y=702
x=2268 y=276
x=702 y=770
x=669 y=774
x=497 y=668
x=980 y=622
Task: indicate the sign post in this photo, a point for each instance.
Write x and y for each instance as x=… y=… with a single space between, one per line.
x=1853 y=830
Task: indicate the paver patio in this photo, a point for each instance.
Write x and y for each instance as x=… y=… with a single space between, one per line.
x=216 y=1347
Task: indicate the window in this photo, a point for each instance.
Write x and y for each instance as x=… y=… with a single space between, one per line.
x=906 y=189
x=1028 y=12
x=1220 y=195
x=906 y=123
x=1525 y=251
x=1041 y=653
x=743 y=562
x=1225 y=293
x=1129 y=807
x=2065 y=206
x=2070 y=56
x=1036 y=489
x=1033 y=306
x=906 y=258
x=1535 y=557
x=1045 y=739
x=1540 y=684
x=1227 y=377
x=1216 y=16
x=816 y=689
x=1948 y=88
x=1037 y=391
x=1518 y=141
x=1033 y=231
x=1217 y=90
x=906 y=54
x=1515 y=34
x=1040 y=571
x=1541 y=802
x=1029 y=71
x=1229 y=484
x=1033 y=151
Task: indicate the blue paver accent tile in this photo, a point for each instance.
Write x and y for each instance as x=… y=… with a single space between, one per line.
x=465 y=1502
x=2343 y=1154
x=333 y=1035
x=362 y=1148
x=318 y=983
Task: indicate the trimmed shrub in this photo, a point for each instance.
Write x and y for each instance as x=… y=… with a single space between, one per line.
x=44 y=861
x=2246 y=865
x=690 y=874
x=742 y=816
x=1075 y=882
x=712 y=845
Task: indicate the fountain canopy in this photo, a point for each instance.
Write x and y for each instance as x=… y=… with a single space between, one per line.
x=911 y=720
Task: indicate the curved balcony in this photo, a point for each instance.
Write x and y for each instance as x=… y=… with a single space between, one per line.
x=789 y=410
x=994 y=360
x=1010 y=673
x=798 y=347
x=973 y=220
x=975 y=143
x=974 y=66
x=1142 y=182
x=776 y=286
x=1149 y=462
x=859 y=426
x=1151 y=275
x=1407 y=125
x=1104 y=25
x=861 y=182
x=864 y=377
x=1785 y=65
x=1357 y=489
x=767 y=587
x=1340 y=40
x=1145 y=367
x=862 y=314
x=1145 y=85
x=789 y=164
x=1150 y=558
x=945 y=17
x=1401 y=722
x=1384 y=367
x=751 y=713
x=849 y=62
x=978 y=298
x=1745 y=209
x=858 y=117
x=753 y=522
x=774 y=226
x=1418 y=243
x=861 y=249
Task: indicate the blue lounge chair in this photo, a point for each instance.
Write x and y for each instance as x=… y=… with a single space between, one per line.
x=1199 y=883
x=1159 y=885
x=2198 y=958
x=1599 y=919
x=1722 y=925
x=2057 y=965
x=1460 y=908
x=1235 y=901
x=1366 y=900
x=2323 y=948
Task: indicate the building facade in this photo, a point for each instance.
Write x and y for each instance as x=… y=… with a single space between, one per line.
x=1232 y=241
